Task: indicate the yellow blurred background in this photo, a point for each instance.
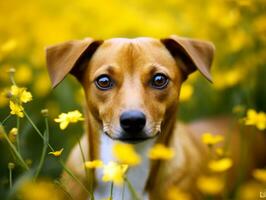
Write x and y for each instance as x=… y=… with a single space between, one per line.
x=236 y=27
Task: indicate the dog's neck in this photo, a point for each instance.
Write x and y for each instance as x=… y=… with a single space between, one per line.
x=136 y=175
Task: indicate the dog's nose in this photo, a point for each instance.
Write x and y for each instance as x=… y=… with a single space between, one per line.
x=132 y=121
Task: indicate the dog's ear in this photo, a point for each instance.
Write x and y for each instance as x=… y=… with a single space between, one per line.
x=191 y=54
x=69 y=57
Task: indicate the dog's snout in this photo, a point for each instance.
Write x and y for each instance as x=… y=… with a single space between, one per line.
x=132 y=121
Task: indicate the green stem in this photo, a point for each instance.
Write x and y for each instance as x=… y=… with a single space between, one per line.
x=13 y=148
x=4 y=121
x=12 y=80
x=60 y=161
x=111 y=190
x=37 y=130
x=17 y=138
x=44 y=150
x=10 y=178
x=86 y=171
x=132 y=190
x=123 y=192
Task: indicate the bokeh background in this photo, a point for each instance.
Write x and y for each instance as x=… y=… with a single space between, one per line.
x=236 y=27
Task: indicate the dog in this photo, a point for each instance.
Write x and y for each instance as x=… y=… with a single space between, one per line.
x=132 y=89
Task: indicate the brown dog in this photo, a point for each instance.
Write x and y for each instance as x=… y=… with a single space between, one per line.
x=132 y=89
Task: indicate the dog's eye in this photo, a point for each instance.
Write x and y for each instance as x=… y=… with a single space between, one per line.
x=159 y=81
x=104 y=82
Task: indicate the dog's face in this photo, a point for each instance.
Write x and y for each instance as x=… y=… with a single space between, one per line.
x=131 y=85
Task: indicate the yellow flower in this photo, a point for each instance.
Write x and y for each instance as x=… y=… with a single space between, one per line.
x=114 y=172
x=186 y=92
x=71 y=117
x=260 y=174
x=57 y=153
x=8 y=46
x=23 y=74
x=229 y=78
x=21 y=94
x=41 y=190
x=93 y=164
x=159 y=151
x=220 y=165
x=256 y=119
x=210 y=184
x=209 y=139
x=13 y=134
x=126 y=154
x=249 y=190
x=41 y=86
x=175 y=193
x=16 y=109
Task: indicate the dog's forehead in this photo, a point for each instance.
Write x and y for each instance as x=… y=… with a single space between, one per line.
x=117 y=41
x=135 y=51
x=134 y=44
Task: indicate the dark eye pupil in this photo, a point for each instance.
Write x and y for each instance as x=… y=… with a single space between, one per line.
x=104 y=82
x=159 y=81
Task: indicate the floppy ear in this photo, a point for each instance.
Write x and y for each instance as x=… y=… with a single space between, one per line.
x=191 y=54
x=69 y=57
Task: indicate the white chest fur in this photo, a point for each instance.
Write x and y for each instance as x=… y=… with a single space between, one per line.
x=136 y=175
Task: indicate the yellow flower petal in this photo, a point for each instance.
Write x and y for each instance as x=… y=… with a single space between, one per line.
x=159 y=151
x=63 y=125
x=186 y=92
x=209 y=139
x=175 y=193
x=20 y=94
x=16 y=109
x=126 y=154
x=25 y=96
x=13 y=134
x=256 y=119
x=114 y=172
x=57 y=153
x=39 y=190
x=23 y=74
x=75 y=116
x=8 y=46
x=71 y=117
x=220 y=165
x=210 y=185
x=15 y=90
x=260 y=174
x=93 y=164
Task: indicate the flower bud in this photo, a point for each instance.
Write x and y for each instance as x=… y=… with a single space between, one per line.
x=45 y=112
x=11 y=165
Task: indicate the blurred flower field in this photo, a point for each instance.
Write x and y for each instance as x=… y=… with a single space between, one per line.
x=236 y=27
